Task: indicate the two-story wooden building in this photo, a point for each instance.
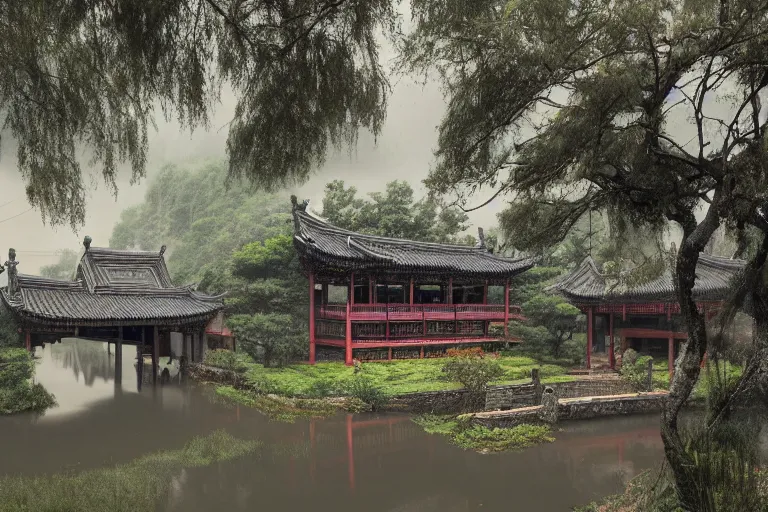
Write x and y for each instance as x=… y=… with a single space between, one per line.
x=399 y=294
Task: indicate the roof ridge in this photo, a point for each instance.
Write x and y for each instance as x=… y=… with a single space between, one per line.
x=324 y=225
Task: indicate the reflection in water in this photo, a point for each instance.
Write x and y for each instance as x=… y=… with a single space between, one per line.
x=346 y=463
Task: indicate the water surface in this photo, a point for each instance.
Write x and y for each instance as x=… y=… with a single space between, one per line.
x=345 y=463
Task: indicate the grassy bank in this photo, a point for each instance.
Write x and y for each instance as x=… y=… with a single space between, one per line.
x=482 y=439
x=135 y=487
x=17 y=392
x=391 y=377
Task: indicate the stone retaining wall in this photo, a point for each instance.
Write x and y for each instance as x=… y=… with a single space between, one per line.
x=575 y=409
x=592 y=387
x=511 y=397
x=432 y=402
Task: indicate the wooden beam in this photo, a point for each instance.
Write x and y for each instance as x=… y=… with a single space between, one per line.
x=311 y=318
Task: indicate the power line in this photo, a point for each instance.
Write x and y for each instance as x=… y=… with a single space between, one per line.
x=7 y=203
x=17 y=215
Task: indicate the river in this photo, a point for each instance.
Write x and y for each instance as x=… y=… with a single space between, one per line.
x=346 y=463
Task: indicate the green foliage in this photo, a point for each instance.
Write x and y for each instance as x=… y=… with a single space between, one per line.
x=558 y=319
x=474 y=373
x=9 y=329
x=17 y=393
x=98 y=74
x=65 y=268
x=137 y=486
x=393 y=213
x=482 y=439
x=393 y=378
x=202 y=221
x=276 y=407
x=226 y=360
x=365 y=389
x=273 y=338
x=634 y=369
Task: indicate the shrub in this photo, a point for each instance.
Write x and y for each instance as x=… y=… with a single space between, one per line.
x=465 y=352
x=17 y=394
x=321 y=388
x=474 y=373
x=635 y=369
x=364 y=389
x=225 y=359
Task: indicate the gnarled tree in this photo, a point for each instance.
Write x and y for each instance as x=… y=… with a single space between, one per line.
x=649 y=112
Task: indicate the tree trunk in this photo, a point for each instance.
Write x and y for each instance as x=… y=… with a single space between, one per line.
x=688 y=368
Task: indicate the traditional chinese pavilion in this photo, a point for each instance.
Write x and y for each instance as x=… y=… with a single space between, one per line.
x=116 y=296
x=645 y=317
x=398 y=294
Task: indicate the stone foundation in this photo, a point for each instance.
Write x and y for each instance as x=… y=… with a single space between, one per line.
x=575 y=409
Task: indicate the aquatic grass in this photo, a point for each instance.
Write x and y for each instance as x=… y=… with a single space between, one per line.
x=135 y=487
x=276 y=407
x=461 y=433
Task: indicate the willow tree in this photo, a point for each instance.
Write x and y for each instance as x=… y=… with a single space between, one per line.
x=91 y=75
x=647 y=112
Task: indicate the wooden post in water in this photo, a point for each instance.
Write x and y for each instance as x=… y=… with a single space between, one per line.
x=119 y=358
x=155 y=353
x=140 y=357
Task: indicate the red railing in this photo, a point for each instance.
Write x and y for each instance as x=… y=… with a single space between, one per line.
x=417 y=312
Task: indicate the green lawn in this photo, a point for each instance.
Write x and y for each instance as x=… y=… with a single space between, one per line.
x=393 y=377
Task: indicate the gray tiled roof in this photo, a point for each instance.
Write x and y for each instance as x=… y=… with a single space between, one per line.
x=320 y=242
x=112 y=288
x=586 y=284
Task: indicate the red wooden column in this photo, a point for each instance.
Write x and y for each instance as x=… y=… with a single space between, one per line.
x=311 y=318
x=590 y=335
x=348 y=330
x=671 y=356
x=411 y=290
x=485 y=292
x=506 y=308
x=28 y=340
x=611 y=352
x=449 y=299
x=348 y=337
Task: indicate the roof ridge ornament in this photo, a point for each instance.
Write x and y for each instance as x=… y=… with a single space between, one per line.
x=13 y=278
x=295 y=208
x=480 y=238
x=162 y=249
x=87 y=243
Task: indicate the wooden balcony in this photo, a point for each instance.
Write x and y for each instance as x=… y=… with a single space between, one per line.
x=418 y=312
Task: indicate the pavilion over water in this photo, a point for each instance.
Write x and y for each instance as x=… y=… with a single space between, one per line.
x=116 y=296
x=399 y=294
x=646 y=317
